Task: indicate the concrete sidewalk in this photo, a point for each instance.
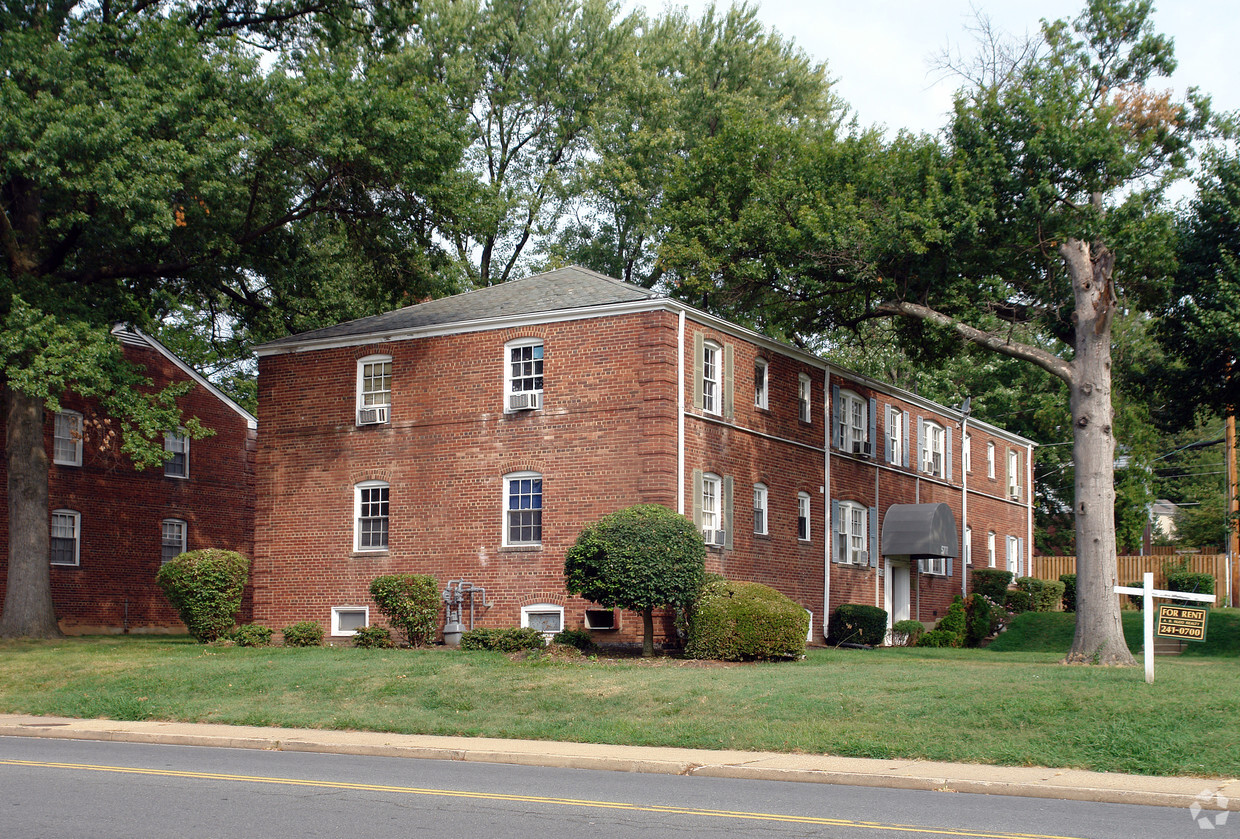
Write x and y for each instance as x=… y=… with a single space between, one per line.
x=1032 y=782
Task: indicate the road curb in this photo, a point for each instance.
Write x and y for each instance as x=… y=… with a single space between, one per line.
x=1027 y=782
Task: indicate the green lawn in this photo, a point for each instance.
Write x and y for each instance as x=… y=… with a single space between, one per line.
x=1017 y=707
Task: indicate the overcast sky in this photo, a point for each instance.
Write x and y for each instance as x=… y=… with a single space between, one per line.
x=880 y=51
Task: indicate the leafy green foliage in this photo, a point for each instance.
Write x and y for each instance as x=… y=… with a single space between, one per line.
x=857 y=623
x=1190 y=581
x=992 y=582
x=640 y=558
x=1044 y=595
x=509 y=640
x=205 y=588
x=938 y=638
x=738 y=621
x=303 y=634
x=579 y=638
x=251 y=635
x=1017 y=601
x=373 y=638
x=1069 y=591
x=906 y=633
x=410 y=602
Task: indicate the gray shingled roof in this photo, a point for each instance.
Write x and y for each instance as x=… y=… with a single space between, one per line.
x=573 y=287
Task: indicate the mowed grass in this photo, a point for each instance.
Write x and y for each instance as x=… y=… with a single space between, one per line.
x=980 y=706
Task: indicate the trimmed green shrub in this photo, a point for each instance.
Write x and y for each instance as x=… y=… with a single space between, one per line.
x=411 y=603
x=858 y=624
x=1017 y=601
x=1044 y=595
x=579 y=638
x=938 y=638
x=252 y=635
x=373 y=638
x=303 y=634
x=205 y=588
x=907 y=633
x=1191 y=581
x=982 y=619
x=1137 y=600
x=509 y=640
x=738 y=621
x=955 y=621
x=992 y=582
x=1069 y=591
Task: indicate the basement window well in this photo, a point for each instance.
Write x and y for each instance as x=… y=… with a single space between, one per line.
x=347 y=620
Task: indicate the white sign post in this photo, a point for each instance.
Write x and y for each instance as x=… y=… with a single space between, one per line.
x=1149 y=592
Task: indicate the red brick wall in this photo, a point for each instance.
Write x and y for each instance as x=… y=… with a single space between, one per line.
x=113 y=588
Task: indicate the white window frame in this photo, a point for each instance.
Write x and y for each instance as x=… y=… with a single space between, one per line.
x=761 y=383
x=933 y=452
x=990 y=460
x=172 y=526
x=990 y=549
x=1013 y=556
x=805 y=398
x=1013 y=477
x=337 y=611
x=176 y=442
x=852 y=532
x=936 y=565
x=967 y=547
x=853 y=428
x=761 y=520
x=966 y=454
x=524 y=375
x=358 y=491
x=369 y=396
x=535 y=513
x=895 y=435
x=712 y=502
x=804 y=531
x=542 y=609
x=712 y=381
x=67 y=439
x=73 y=519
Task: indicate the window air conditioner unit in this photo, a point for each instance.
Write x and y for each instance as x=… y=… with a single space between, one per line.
x=528 y=400
x=1015 y=493
x=863 y=557
x=372 y=416
x=715 y=538
x=862 y=448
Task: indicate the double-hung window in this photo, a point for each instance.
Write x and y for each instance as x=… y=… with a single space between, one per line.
x=803 y=516
x=523 y=505
x=850 y=432
x=374 y=390
x=711 y=401
x=760 y=383
x=935 y=565
x=1013 y=475
x=804 y=398
x=523 y=375
x=67 y=439
x=66 y=537
x=370 y=516
x=990 y=460
x=966 y=453
x=932 y=458
x=172 y=540
x=967 y=548
x=895 y=436
x=177 y=442
x=851 y=530
x=990 y=549
x=759 y=509
x=712 y=504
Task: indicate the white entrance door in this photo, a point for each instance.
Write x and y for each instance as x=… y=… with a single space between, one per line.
x=896 y=601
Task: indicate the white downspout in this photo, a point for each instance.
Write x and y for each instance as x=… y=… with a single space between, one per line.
x=1029 y=509
x=964 y=500
x=826 y=501
x=680 y=413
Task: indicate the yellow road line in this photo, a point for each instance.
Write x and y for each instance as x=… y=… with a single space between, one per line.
x=533 y=799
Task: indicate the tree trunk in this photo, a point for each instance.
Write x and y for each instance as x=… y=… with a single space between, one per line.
x=1099 y=637
x=28 y=610
x=648 y=632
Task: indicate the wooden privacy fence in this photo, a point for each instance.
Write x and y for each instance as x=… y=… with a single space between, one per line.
x=1131 y=568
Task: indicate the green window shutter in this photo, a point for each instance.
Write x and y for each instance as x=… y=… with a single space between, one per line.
x=729 y=382
x=947 y=454
x=699 y=349
x=835 y=417
x=728 y=522
x=833 y=529
x=697 y=498
x=904 y=428
x=873 y=537
x=873 y=428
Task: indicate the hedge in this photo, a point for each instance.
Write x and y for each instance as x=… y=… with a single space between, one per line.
x=738 y=621
x=205 y=588
x=858 y=624
x=1044 y=595
x=411 y=602
x=991 y=582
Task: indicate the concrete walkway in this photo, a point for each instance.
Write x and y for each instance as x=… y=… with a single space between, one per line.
x=1033 y=782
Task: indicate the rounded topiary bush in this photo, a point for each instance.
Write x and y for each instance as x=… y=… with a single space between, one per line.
x=991 y=582
x=373 y=637
x=857 y=623
x=907 y=632
x=735 y=621
x=252 y=635
x=205 y=588
x=303 y=634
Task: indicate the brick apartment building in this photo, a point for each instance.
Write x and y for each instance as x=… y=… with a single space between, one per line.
x=112 y=525
x=473 y=437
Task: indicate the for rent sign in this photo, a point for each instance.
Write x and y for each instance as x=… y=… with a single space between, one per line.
x=1188 y=623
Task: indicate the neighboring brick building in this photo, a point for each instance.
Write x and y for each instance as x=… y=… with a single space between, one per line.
x=473 y=437
x=112 y=525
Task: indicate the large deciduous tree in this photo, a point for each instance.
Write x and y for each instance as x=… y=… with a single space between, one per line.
x=1021 y=233
x=242 y=158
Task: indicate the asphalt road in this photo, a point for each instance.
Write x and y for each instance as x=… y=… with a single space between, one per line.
x=83 y=789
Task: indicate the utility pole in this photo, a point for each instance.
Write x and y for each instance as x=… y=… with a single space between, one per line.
x=1233 y=509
